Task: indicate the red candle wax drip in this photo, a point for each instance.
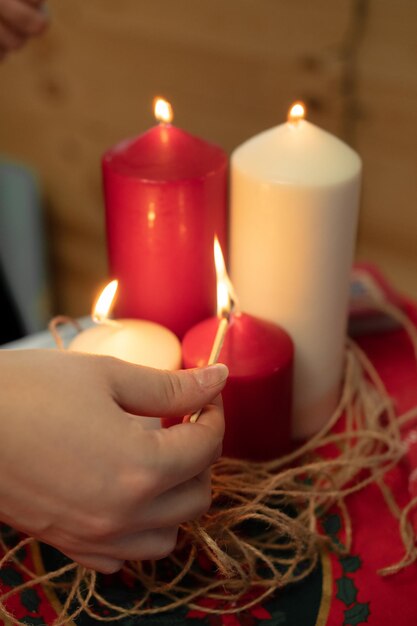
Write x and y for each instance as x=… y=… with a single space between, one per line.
x=258 y=393
x=166 y=198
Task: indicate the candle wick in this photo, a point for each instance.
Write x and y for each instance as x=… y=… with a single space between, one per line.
x=106 y=321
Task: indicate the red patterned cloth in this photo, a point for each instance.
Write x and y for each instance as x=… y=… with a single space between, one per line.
x=380 y=600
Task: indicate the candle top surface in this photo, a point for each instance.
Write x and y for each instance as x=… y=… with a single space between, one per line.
x=165 y=153
x=297 y=154
x=136 y=341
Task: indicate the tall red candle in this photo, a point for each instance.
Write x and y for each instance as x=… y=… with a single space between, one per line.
x=165 y=196
x=257 y=396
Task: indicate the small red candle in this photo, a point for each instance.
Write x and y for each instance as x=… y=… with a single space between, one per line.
x=166 y=197
x=258 y=393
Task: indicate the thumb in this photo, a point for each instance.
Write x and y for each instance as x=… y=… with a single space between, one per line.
x=147 y=391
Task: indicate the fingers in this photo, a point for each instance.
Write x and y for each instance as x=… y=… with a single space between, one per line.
x=100 y=563
x=19 y=19
x=153 y=535
x=149 y=532
x=183 y=503
x=185 y=450
x=22 y=17
x=9 y=39
x=36 y=3
x=147 y=545
x=147 y=391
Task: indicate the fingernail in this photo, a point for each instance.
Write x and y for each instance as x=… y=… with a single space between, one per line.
x=212 y=375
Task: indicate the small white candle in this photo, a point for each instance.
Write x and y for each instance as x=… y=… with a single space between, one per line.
x=136 y=341
x=294 y=206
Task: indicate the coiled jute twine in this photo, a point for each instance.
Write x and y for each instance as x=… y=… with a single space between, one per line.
x=263 y=530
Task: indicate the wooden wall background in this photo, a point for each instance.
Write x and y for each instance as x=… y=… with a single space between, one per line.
x=231 y=68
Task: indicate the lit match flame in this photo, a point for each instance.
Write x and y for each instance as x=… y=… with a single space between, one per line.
x=226 y=296
x=296 y=113
x=163 y=111
x=104 y=304
x=226 y=300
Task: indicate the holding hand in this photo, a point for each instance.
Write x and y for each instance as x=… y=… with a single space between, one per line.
x=20 y=20
x=78 y=470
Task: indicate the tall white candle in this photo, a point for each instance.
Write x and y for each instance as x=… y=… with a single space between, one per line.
x=294 y=205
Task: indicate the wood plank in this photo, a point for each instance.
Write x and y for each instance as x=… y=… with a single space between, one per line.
x=231 y=69
x=387 y=140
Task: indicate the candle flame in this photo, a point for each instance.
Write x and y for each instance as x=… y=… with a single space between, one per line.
x=297 y=112
x=104 y=302
x=226 y=297
x=163 y=110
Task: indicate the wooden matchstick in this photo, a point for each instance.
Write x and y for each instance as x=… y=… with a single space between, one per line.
x=214 y=354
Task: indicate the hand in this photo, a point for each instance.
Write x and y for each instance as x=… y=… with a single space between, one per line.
x=78 y=471
x=20 y=20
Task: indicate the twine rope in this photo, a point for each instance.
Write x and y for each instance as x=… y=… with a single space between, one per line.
x=284 y=500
